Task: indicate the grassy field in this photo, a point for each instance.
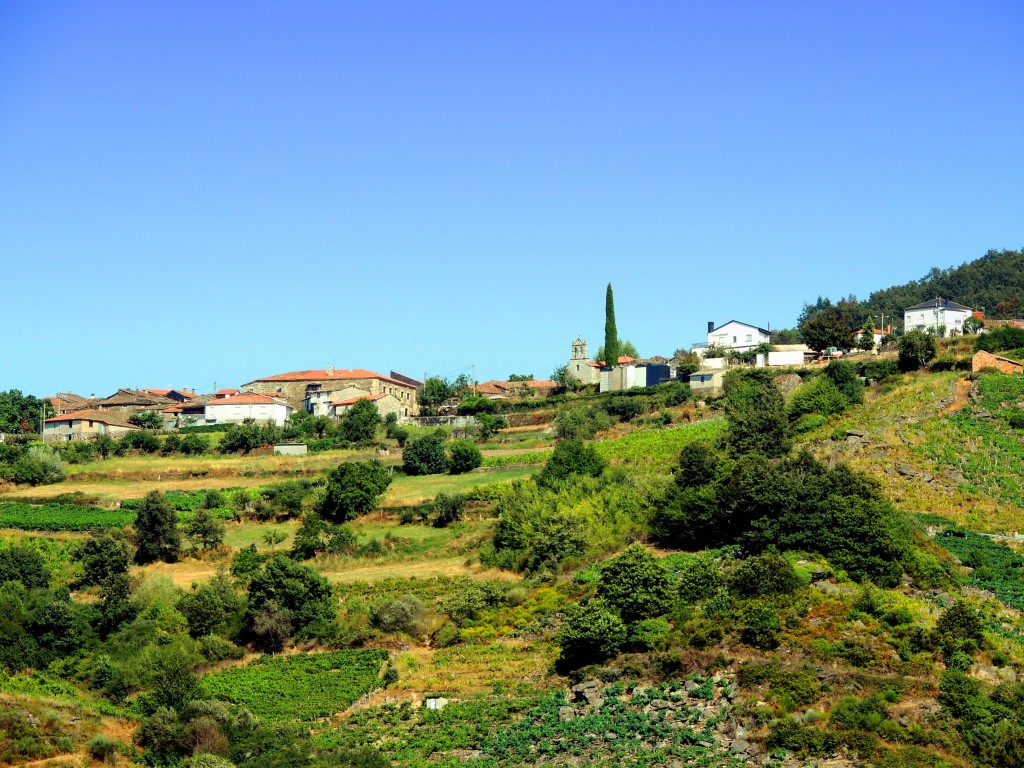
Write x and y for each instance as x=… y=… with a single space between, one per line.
x=655 y=451
x=409 y=491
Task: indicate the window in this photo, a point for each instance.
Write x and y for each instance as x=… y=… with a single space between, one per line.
x=750 y=337
x=733 y=339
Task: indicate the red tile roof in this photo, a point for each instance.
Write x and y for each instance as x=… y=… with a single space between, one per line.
x=352 y=400
x=225 y=392
x=246 y=399
x=340 y=374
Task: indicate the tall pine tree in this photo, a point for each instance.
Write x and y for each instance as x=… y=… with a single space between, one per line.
x=611 y=333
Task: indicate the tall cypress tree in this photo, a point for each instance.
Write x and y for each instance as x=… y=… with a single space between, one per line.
x=611 y=333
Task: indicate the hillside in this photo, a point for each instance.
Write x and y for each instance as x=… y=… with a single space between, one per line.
x=780 y=609
x=995 y=281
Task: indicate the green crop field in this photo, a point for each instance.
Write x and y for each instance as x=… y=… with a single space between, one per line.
x=655 y=451
x=301 y=687
x=61 y=517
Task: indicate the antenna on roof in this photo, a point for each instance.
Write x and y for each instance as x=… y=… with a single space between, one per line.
x=330 y=367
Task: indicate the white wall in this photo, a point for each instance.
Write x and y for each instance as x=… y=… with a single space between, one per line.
x=226 y=412
x=736 y=335
x=785 y=358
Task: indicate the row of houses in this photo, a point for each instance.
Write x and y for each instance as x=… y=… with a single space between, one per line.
x=272 y=399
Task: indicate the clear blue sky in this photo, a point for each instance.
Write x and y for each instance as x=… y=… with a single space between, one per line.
x=197 y=192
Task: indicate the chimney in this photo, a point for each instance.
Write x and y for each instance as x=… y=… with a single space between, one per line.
x=711 y=325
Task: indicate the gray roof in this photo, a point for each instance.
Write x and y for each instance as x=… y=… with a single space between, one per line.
x=938 y=304
x=748 y=325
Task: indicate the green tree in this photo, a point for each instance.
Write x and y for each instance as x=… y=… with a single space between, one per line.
x=448 y=509
x=571 y=457
x=635 y=585
x=425 y=455
x=205 y=530
x=590 y=634
x=156 y=531
x=844 y=376
x=916 y=349
x=215 y=607
x=826 y=329
x=756 y=412
x=465 y=457
x=103 y=555
x=317 y=535
x=22 y=414
x=611 y=333
x=436 y=391
x=360 y=423
x=174 y=681
x=24 y=564
x=146 y=420
x=285 y=591
x=353 y=489
x=866 y=340
x=242 y=437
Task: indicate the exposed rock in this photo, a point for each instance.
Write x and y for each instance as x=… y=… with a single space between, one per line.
x=858 y=433
x=658 y=704
x=566 y=713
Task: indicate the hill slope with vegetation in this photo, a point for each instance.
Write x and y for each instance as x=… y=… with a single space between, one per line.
x=771 y=578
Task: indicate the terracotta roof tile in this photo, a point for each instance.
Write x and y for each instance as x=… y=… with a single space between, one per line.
x=339 y=374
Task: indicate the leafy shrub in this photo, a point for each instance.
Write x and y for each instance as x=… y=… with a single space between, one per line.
x=590 y=634
x=353 y=489
x=571 y=457
x=40 y=465
x=635 y=585
x=1000 y=339
x=843 y=374
x=448 y=509
x=820 y=396
x=103 y=749
x=581 y=422
x=406 y=614
x=916 y=349
x=626 y=408
x=465 y=457
x=761 y=627
x=764 y=575
x=960 y=628
x=425 y=455
x=876 y=370
x=698 y=579
x=648 y=634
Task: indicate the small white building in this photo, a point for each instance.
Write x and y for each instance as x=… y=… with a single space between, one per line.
x=236 y=409
x=737 y=336
x=938 y=315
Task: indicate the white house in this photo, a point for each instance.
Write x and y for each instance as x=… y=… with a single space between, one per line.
x=938 y=315
x=236 y=409
x=736 y=335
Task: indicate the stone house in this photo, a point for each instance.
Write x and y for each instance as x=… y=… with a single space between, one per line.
x=296 y=387
x=1005 y=365
x=385 y=404
x=86 y=424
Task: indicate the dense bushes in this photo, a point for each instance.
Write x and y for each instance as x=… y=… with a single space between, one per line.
x=1000 y=339
x=571 y=457
x=426 y=455
x=792 y=503
x=540 y=528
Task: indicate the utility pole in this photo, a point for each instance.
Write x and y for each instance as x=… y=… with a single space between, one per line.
x=474 y=379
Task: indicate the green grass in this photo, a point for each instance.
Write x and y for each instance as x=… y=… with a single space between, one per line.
x=300 y=687
x=406 y=491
